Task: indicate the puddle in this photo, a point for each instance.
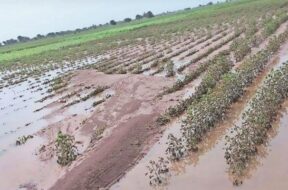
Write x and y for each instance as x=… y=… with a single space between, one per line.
x=21 y=165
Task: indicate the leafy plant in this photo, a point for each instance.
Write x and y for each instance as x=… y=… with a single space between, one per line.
x=243 y=145
x=176 y=148
x=158 y=171
x=66 y=150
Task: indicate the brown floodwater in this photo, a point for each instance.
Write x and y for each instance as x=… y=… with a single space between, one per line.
x=21 y=165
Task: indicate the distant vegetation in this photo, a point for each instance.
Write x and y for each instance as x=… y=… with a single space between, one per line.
x=19 y=39
x=12 y=50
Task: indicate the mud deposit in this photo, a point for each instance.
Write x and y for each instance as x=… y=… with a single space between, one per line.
x=130 y=106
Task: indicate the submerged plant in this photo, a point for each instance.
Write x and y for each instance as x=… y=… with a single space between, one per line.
x=158 y=171
x=176 y=148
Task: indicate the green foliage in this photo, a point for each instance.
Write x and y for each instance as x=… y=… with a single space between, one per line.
x=216 y=69
x=211 y=108
x=176 y=148
x=241 y=48
x=98 y=102
x=272 y=24
x=243 y=146
x=65 y=149
x=37 y=51
x=158 y=172
x=57 y=84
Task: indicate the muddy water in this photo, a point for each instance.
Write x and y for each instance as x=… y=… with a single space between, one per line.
x=20 y=165
x=18 y=104
x=207 y=169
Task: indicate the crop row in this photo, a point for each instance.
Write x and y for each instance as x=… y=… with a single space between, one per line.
x=242 y=46
x=179 y=84
x=243 y=146
x=210 y=50
x=217 y=67
x=211 y=108
x=183 y=49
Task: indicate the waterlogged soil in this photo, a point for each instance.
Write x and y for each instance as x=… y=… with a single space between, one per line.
x=129 y=115
x=207 y=169
x=21 y=114
x=130 y=106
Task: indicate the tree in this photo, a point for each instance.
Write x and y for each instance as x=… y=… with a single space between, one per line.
x=51 y=34
x=77 y=30
x=39 y=36
x=149 y=14
x=138 y=17
x=23 y=38
x=11 y=41
x=113 y=22
x=127 y=20
x=210 y=3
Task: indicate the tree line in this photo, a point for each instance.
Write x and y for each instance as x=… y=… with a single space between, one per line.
x=20 y=39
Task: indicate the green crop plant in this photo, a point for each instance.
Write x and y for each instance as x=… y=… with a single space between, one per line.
x=66 y=150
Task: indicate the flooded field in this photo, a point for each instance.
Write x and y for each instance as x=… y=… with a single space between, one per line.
x=199 y=103
x=26 y=111
x=207 y=169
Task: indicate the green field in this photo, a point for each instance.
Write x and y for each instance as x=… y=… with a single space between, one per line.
x=177 y=20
